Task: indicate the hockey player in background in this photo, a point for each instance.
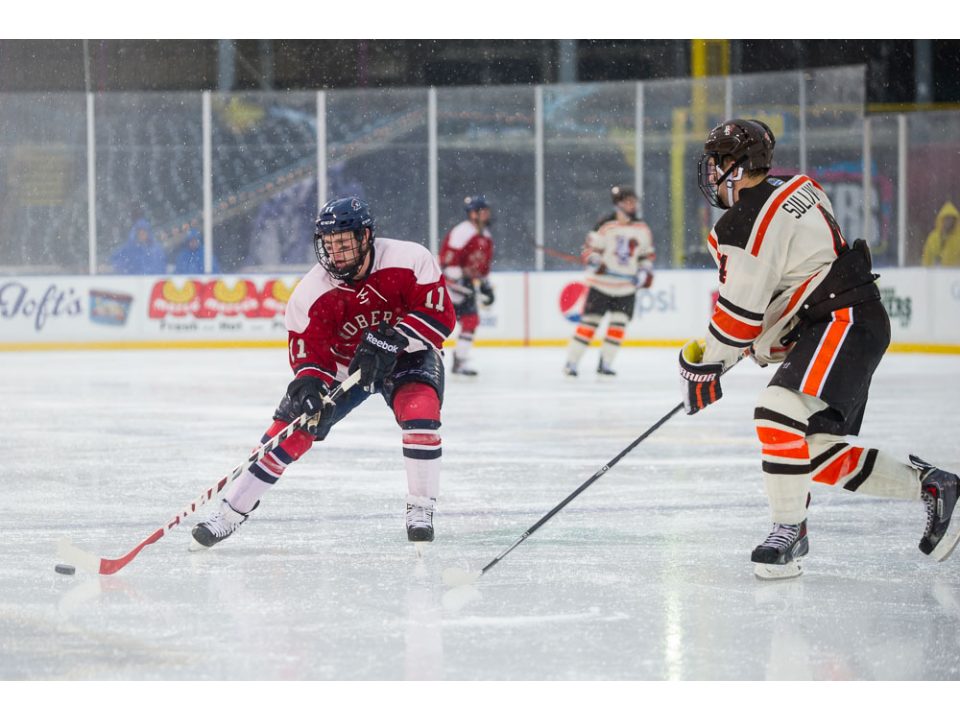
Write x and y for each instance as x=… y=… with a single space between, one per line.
x=465 y=257
x=792 y=291
x=619 y=257
x=371 y=304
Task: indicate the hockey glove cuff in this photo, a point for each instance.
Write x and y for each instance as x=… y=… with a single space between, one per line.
x=644 y=278
x=310 y=395
x=376 y=355
x=700 y=381
x=486 y=293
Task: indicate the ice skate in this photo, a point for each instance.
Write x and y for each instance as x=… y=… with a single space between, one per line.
x=938 y=489
x=420 y=519
x=779 y=556
x=605 y=370
x=462 y=367
x=219 y=525
x=570 y=369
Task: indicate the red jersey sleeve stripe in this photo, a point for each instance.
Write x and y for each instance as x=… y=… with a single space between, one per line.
x=437 y=325
x=774 y=207
x=419 y=328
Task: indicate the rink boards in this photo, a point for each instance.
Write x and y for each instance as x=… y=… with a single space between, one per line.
x=531 y=309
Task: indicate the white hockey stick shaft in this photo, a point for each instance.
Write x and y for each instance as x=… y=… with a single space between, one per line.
x=100 y=565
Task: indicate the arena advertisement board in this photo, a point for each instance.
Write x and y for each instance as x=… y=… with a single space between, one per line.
x=676 y=306
x=529 y=309
x=79 y=310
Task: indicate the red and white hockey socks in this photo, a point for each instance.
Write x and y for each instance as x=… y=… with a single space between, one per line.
x=417 y=409
x=253 y=483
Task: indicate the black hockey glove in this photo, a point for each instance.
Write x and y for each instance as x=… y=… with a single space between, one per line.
x=700 y=381
x=377 y=355
x=486 y=292
x=310 y=395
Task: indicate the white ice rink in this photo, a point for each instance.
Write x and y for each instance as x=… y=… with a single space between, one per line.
x=645 y=576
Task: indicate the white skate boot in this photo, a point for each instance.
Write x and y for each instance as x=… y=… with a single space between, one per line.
x=218 y=526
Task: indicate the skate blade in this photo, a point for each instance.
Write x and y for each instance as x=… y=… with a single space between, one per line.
x=778 y=571
x=196 y=546
x=419 y=548
x=946 y=546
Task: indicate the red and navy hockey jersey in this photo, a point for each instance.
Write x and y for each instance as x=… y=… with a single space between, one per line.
x=326 y=318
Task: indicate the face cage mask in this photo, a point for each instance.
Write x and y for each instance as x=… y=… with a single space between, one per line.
x=355 y=260
x=706 y=169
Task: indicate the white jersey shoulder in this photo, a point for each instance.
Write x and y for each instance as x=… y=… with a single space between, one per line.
x=314 y=284
x=392 y=253
x=461 y=233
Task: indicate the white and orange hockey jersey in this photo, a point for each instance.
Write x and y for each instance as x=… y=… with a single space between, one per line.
x=615 y=252
x=773 y=248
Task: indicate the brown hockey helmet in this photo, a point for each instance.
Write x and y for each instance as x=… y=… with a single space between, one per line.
x=749 y=142
x=620 y=193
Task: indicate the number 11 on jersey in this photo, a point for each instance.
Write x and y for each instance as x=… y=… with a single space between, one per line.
x=438 y=306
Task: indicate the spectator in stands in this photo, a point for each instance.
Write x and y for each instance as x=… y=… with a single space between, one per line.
x=190 y=257
x=943 y=244
x=142 y=254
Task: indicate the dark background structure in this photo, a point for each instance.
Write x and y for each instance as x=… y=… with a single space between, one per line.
x=898 y=71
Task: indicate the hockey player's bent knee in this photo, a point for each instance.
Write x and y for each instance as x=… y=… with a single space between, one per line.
x=785 y=407
x=416 y=401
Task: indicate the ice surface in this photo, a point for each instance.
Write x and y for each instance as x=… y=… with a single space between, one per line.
x=645 y=576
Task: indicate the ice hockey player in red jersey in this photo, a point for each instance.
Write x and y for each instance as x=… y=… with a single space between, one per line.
x=793 y=292
x=376 y=305
x=465 y=257
x=619 y=257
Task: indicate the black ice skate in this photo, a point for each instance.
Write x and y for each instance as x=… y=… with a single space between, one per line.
x=938 y=489
x=779 y=556
x=462 y=367
x=218 y=526
x=605 y=370
x=420 y=519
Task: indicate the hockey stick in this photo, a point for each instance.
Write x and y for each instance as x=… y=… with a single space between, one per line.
x=456 y=577
x=570 y=258
x=101 y=565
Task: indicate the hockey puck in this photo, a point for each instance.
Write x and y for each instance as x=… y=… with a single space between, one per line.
x=65 y=569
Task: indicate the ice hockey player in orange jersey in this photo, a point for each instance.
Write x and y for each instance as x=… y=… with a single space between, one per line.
x=794 y=293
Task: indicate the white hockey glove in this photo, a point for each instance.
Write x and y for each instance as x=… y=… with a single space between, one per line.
x=700 y=381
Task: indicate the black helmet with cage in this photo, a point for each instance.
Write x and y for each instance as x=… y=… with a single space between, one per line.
x=350 y=215
x=749 y=143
